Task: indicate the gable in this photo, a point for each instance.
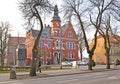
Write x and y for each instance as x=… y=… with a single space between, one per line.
x=69 y=31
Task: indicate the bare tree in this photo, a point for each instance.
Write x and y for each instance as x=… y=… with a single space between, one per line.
x=102 y=9
x=78 y=9
x=115 y=13
x=4 y=27
x=81 y=44
x=32 y=11
x=105 y=34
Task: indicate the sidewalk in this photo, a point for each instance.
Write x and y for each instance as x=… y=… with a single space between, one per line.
x=51 y=73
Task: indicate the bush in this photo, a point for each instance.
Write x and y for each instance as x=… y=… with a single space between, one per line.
x=117 y=62
x=93 y=63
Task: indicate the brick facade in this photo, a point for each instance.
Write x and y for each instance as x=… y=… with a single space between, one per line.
x=55 y=42
x=13 y=42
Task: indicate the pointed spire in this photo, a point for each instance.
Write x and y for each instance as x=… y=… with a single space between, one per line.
x=56 y=17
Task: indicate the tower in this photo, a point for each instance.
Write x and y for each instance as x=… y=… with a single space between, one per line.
x=55 y=23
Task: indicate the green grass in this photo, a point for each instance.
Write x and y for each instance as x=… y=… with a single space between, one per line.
x=4 y=71
x=8 y=71
x=28 y=70
x=55 y=69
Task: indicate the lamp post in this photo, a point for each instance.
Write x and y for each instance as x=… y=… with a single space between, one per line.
x=60 y=54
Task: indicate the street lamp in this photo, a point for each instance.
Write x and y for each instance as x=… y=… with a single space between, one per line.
x=60 y=54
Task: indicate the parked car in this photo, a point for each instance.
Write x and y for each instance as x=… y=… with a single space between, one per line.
x=82 y=63
x=103 y=63
x=66 y=63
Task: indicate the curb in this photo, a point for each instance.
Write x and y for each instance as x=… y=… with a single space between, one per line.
x=42 y=75
x=85 y=72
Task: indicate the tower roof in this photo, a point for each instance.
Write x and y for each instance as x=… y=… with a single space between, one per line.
x=56 y=17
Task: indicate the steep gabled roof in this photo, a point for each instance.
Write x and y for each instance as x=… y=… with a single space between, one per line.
x=67 y=27
x=45 y=32
x=63 y=28
x=112 y=39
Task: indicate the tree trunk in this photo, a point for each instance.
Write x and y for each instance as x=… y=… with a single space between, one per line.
x=90 y=62
x=33 y=66
x=35 y=48
x=81 y=55
x=1 y=60
x=107 y=59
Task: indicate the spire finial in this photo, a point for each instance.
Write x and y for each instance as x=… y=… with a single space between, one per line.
x=56 y=11
x=56 y=17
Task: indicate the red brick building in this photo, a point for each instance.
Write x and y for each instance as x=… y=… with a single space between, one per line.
x=13 y=42
x=55 y=42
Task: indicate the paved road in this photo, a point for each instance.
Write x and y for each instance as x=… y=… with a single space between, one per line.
x=105 y=77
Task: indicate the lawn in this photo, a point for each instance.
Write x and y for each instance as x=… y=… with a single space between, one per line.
x=28 y=70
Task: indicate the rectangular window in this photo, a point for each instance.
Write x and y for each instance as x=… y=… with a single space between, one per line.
x=48 y=44
x=73 y=46
x=58 y=44
x=71 y=56
x=69 y=45
x=70 y=34
x=41 y=44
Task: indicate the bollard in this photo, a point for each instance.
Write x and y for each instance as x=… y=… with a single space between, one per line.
x=13 y=73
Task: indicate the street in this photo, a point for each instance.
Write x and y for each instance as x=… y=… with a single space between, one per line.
x=105 y=77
